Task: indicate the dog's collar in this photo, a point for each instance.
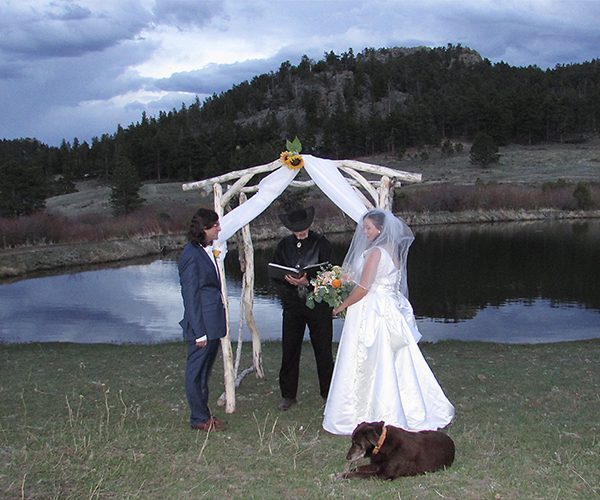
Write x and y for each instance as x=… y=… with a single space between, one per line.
x=380 y=441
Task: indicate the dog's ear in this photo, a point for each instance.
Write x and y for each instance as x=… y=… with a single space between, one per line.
x=357 y=429
x=372 y=436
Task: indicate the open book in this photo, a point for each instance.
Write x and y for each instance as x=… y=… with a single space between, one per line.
x=278 y=271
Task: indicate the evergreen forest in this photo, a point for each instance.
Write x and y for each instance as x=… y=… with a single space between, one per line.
x=343 y=106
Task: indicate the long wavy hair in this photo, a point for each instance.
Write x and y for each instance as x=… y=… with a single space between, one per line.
x=202 y=220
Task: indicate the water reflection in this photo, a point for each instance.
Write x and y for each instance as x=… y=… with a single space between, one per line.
x=455 y=271
x=503 y=283
x=517 y=322
x=129 y=304
x=454 y=274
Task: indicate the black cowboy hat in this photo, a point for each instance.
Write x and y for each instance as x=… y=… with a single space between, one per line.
x=298 y=220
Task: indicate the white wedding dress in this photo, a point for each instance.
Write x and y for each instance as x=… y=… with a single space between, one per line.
x=380 y=372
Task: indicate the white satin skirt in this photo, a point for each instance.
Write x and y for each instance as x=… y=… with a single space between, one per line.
x=380 y=373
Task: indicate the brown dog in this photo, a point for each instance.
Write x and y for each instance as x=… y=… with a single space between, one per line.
x=395 y=452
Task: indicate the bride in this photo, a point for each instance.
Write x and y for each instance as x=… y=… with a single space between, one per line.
x=380 y=372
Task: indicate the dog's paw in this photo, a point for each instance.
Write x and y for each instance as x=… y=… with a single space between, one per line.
x=339 y=476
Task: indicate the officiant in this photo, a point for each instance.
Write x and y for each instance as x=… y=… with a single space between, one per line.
x=299 y=249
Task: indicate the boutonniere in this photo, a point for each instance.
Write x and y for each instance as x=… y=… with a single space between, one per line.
x=216 y=253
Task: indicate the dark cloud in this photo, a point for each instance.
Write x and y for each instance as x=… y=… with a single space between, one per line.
x=10 y=70
x=67 y=30
x=173 y=100
x=185 y=13
x=68 y=67
x=66 y=97
x=216 y=77
x=541 y=33
x=70 y=12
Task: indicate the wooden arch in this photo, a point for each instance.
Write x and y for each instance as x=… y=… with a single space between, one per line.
x=376 y=192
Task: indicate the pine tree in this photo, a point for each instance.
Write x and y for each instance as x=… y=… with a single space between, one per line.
x=583 y=196
x=484 y=150
x=22 y=189
x=125 y=197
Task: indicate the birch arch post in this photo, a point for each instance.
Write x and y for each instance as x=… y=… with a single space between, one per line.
x=342 y=181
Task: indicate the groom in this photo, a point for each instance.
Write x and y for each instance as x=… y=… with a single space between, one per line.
x=203 y=320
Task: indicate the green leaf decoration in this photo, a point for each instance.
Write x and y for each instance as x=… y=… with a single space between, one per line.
x=295 y=146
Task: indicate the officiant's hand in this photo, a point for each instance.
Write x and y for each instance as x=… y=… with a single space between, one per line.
x=301 y=281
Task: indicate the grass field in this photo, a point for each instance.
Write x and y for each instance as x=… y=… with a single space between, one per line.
x=100 y=421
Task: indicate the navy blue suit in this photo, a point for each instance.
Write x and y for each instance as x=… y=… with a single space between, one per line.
x=204 y=314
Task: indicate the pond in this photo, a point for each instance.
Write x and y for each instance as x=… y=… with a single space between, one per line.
x=508 y=283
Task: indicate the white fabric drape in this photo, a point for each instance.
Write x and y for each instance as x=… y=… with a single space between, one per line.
x=323 y=172
x=269 y=189
x=335 y=186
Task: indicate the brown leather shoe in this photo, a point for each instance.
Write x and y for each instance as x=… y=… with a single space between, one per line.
x=219 y=424
x=207 y=426
x=211 y=425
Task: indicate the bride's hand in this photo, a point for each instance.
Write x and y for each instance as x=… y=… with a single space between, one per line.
x=338 y=310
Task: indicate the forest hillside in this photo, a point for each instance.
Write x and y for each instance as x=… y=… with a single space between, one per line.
x=396 y=103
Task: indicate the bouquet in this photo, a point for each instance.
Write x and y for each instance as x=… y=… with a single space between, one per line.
x=329 y=286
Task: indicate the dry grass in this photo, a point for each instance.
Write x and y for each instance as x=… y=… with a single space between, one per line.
x=533 y=165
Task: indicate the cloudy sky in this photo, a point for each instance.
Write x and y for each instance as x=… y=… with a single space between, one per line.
x=78 y=68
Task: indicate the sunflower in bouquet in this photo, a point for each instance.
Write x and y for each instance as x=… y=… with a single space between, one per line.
x=329 y=286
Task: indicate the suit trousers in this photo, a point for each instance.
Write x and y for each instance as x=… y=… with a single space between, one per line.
x=319 y=321
x=197 y=373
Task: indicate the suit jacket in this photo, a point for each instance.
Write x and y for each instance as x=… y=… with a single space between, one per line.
x=204 y=312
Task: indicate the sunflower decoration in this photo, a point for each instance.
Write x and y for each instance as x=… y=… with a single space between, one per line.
x=291 y=158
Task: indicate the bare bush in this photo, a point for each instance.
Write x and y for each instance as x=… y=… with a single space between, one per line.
x=480 y=196
x=43 y=228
